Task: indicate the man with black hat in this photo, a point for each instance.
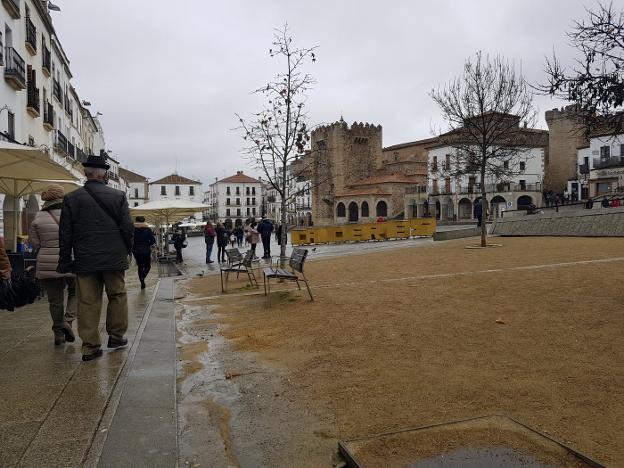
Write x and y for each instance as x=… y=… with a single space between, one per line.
x=96 y=228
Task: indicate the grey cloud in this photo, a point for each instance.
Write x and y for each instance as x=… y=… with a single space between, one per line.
x=169 y=76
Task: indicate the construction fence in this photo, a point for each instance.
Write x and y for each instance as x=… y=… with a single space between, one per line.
x=403 y=229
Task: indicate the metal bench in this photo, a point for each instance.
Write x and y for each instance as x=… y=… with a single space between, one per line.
x=237 y=263
x=296 y=262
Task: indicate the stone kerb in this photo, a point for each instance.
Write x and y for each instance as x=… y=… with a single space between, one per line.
x=602 y=222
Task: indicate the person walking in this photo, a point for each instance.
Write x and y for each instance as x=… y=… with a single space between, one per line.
x=44 y=238
x=95 y=240
x=209 y=238
x=144 y=243
x=265 y=228
x=239 y=233
x=179 y=242
x=254 y=236
x=478 y=212
x=222 y=242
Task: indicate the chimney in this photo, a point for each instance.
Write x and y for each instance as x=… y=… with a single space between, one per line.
x=239 y=172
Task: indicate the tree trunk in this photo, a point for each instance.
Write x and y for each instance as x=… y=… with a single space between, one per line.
x=483 y=209
x=283 y=236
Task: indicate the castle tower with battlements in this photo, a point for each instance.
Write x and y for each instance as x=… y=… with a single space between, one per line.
x=354 y=179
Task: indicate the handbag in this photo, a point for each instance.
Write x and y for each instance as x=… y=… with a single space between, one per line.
x=110 y=215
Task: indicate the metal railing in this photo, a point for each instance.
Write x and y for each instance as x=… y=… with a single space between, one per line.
x=71 y=150
x=61 y=142
x=32 y=100
x=113 y=176
x=46 y=59
x=57 y=92
x=48 y=113
x=15 y=66
x=583 y=169
x=31 y=34
x=613 y=161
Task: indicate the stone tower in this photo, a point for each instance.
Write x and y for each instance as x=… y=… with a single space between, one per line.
x=342 y=156
x=565 y=135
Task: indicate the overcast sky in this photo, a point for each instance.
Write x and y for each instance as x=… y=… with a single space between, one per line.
x=168 y=76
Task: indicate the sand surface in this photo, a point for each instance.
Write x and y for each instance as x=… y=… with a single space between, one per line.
x=533 y=329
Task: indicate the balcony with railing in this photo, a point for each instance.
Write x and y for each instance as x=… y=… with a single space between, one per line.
x=605 y=163
x=113 y=176
x=71 y=150
x=499 y=188
x=57 y=92
x=31 y=37
x=583 y=169
x=15 y=69
x=302 y=207
x=61 y=143
x=13 y=7
x=46 y=61
x=81 y=156
x=32 y=101
x=48 y=116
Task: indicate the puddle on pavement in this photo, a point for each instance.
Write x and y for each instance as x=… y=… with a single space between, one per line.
x=204 y=397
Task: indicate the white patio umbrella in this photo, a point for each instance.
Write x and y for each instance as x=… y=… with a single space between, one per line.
x=25 y=170
x=167 y=211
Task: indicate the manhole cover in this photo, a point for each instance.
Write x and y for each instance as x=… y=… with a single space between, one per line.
x=490 y=441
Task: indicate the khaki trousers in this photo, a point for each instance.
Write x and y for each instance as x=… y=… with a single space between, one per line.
x=55 y=289
x=89 y=288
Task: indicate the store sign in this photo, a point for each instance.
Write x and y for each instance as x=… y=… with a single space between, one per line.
x=610 y=172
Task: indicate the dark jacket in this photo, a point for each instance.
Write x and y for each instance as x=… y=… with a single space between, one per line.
x=178 y=241
x=97 y=242
x=265 y=227
x=223 y=238
x=143 y=239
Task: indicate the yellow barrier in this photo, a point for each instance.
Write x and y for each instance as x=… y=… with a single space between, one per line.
x=401 y=229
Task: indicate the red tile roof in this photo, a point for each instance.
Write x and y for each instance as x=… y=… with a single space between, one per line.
x=240 y=178
x=131 y=176
x=175 y=179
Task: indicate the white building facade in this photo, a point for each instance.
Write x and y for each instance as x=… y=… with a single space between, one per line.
x=453 y=199
x=600 y=167
x=235 y=197
x=137 y=187
x=177 y=187
x=38 y=105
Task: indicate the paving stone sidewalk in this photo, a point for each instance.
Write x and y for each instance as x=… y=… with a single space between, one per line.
x=52 y=403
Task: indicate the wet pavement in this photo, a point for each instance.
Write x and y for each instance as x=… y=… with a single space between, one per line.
x=119 y=410
x=52 y=404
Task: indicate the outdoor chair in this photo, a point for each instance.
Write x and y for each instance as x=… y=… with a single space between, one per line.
x=296 y=262
x=237 y=263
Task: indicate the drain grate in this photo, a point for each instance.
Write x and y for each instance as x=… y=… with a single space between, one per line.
x=488 y=441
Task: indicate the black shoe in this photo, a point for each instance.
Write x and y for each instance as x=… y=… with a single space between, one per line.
x=59 y=338
x=68 y=332
x=94 y=355
x=142 y=284
x=117 y=342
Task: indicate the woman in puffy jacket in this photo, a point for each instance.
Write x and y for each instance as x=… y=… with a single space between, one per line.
x=44 y=237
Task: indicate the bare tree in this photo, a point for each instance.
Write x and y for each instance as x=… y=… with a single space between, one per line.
x=276 y=137
x=596 y=83
x=484 y=109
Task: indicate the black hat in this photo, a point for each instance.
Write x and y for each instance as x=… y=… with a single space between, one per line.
x=96 y=161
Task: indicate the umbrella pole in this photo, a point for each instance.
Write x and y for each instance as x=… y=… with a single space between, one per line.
x=15 y=215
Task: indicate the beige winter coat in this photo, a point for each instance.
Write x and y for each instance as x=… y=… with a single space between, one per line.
x=44 y=237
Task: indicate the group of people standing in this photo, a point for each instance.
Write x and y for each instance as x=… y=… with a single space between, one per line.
x=252 y=233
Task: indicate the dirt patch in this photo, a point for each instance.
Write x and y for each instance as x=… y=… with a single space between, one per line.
x=421 y=336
